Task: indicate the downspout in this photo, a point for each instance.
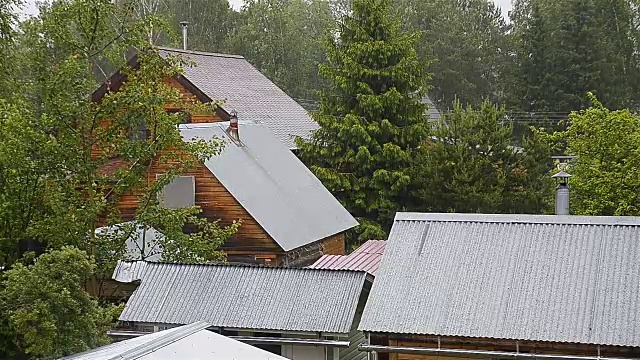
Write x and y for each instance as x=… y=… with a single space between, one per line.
x=476 y=353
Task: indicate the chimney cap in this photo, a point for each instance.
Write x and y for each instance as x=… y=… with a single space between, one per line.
x=561 y=175
x=184 y=23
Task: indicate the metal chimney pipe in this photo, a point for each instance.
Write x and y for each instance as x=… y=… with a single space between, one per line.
x=233 y=126
x=562 y=193
x=184 y=25
x=562 y=199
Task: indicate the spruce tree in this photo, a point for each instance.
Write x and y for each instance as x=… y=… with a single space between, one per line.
x=371 y=117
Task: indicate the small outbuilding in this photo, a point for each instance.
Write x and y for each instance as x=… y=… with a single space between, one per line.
x=188 y=342
x=302 y=314
x=506 y=287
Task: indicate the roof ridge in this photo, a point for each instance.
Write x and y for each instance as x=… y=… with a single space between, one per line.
x=237 y=265
x=521 y=218
x=203 y=53
x=163 y=340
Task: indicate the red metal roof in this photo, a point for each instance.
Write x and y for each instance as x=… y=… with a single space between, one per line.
x=367 y=258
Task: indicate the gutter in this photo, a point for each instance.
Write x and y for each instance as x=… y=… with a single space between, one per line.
x=477 y=353
x=253 y=339
x=290 y=341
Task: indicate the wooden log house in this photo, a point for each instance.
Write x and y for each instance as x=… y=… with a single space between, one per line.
x=473 y=286
x=283 y=222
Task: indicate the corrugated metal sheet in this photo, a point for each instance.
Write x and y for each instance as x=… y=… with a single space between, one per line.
x=276 y=188
x=366 y=258
x=432 y=110
x=129 y=271
x=247 y=91
x=245 y=297
x=185 y=342
x=543 y=278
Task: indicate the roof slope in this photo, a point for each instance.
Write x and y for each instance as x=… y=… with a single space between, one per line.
x=432 y=109
x=185 y=342
x=276 y=188
x=247 y=91
x=232 y=296
x=366 y=258
x=543 y=278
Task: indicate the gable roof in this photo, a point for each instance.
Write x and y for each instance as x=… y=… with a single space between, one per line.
x=185 y=342
x=247 y=91
x=245 y=297
x=276 y=188
x=366 y=258
x=524 y=277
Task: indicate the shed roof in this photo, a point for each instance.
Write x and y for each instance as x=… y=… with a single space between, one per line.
x=185 y=342
x=246 y=90
x=244 y=297
x=366 y=258
x=542 y=278
x=276 y=188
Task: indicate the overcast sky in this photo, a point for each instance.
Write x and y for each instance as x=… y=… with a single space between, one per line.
x=30 y=7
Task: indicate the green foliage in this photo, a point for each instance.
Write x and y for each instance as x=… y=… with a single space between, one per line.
x=46 y=304
x=466 y=43
x=8 y=20
x=472 y=167
x=605 y=175
x=567 y=48
x=371 y=118
x=199 y=246
x=58 y=181
x=283 y=39
x=210 y=22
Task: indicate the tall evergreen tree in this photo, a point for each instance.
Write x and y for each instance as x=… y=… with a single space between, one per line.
x=371 y=118
x=568 y=48
x=472 y=166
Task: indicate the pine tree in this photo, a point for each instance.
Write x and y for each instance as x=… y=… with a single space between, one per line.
x=371 y=117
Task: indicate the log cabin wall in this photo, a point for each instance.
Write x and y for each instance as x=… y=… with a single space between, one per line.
x=334 y=244
x=186 y=94
x=251 y=240
x=252 y=244
x=537 y=347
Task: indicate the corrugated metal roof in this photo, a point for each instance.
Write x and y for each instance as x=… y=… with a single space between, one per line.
x=247 y=91
x=273 y=185
x=185 y=342
x=543 y=278
x=232 y=296
x=432 y=110
x=366 y=258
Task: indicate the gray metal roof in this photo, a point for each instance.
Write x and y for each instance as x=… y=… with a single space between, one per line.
x=185 y=342
x=231 y=296
x=432 y=110
x=142 y=242
x=273 y=185
x=246 y=90
x=542 y=278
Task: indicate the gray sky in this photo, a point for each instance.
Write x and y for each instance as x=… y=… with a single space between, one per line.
x=30 y=7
